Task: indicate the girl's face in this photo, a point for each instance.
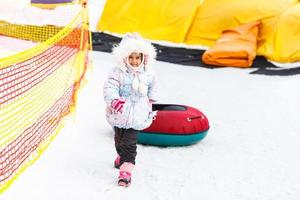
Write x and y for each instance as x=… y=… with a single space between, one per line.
x=135 y=59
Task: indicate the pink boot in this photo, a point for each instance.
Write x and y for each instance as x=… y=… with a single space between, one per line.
x=125 y=174
x=117 y=162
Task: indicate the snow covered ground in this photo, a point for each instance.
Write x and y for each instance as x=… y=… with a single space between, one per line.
x=250 y=152
x=23 y=13
x=10 y=46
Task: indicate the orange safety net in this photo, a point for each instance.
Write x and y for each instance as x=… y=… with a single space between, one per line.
x=38 y=89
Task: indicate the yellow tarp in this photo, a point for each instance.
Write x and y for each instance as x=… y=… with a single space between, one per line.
x=279 y=31
x=156 y=19
x=214 y=16
x=199 y=22
x=280 y=37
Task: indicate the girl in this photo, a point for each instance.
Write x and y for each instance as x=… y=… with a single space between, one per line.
x=129 y=92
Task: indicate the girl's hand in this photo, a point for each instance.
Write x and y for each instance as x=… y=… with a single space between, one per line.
x=117 y=104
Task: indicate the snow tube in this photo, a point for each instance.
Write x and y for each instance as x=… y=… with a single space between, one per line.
x=175 y=125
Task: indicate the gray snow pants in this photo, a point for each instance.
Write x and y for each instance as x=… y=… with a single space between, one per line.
x=126 y=144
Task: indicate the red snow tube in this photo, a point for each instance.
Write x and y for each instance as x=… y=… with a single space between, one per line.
x=175 y=125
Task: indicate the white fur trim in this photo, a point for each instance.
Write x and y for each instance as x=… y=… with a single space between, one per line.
x=133 y=43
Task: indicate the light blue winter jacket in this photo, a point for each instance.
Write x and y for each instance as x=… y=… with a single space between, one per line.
x=137 y=111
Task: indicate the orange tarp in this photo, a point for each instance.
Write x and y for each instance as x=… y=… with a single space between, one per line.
x=235 y=48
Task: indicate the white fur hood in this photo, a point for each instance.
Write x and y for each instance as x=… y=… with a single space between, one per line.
x=133 y=42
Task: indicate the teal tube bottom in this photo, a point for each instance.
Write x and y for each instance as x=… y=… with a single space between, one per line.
x=158 y=139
